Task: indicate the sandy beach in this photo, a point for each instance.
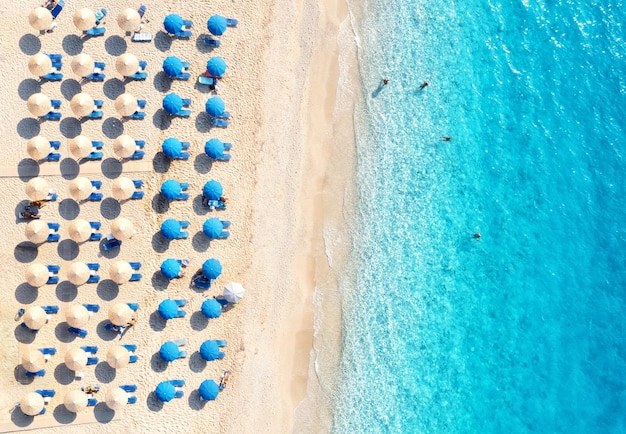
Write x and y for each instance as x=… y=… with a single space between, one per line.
x=280 y=88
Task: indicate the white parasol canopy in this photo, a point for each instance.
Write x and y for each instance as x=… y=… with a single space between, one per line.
x=77 y=315
x=75 y=401
x=40 y=18
x=118 y=357
x=31 y=404
x=129 y=20
x=33 y=360
x=80 y=146
x=124 y=146
x=38 y=147
x=37 y=189
x=79 y=230
x=122 y=228
x=37 y=231
x=37 y=275
x=76 y=359
x=127 y=64
x=80 y=188
x=84 y=19
x=82 y=104
x=233 y=292
x=122 y=188
x=116 y=398
x=120 y=314
x=126 y=104
x=39 y=64
x=78 y=273
x=38 y=104
x=120 y=272
x=82 y=65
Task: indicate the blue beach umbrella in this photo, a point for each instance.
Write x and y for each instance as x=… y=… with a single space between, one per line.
x=170 y=229
x=211 y=308
x=212 y=228
x=173 y=23
x=208 y=390
x=216 y=66
x=168 y=309
x=170 y=268
x=165 y=392
x=215 y=106
x=172 y=66
x=172 y=147
x=170 y=189
x=214 y=148
x=212 y=190
x=169 y=351
x=210 y=351
x=211 y=269
x=216 y=25
x=172 y=103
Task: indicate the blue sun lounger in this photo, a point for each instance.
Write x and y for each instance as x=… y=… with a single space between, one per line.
x=129 y=388
x=110 y=243
x=130 y=347
x=231 y=22
x=53 y=76
x=132 y=400
x=220 y=123
x=36 y=374
x=92 y=360
x=137 y=195
x=135 y=265
x=80 y=332
x=48 y=351
x=135 y=277
x=183 y=34
x=56 y=10
x=94 y=156
x=90 y=349
x=133 y=359
x=177 y=383
x=141 y=37
x=203 y=79
x=211 y=42
x=46 y=393
x=95 y=31
x=91 y=402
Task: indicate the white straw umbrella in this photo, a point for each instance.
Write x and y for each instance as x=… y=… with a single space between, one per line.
x=37 y=231
x=37 y=275
x=37 y=189
x=120 y=314
x=38 y=147
x=122 y=188
x=129 y=20
x=82 y=104
x=39 y=64
x=122 y=228
x=82 y=65
x=40 y=18
x=38 y=104
x=31 y=404
x=233 y=292
x=125 y=104
x=76 y=359
x=127 y=64
x=78 y=273
x=124 y=146
x=34 y=318
x=116 y=398
x=118 y=357
x=80 y=188
x=75 y=401
x=84 y=19
x=80 y=146
x=77 y=315
x=120 y=272
x=79 y=230
x=33 y=360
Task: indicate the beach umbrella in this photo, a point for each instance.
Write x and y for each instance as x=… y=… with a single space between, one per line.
x=124 y=146
x=208 y=390
x=33 y=360
x=37 y=189
x=79 y=230
x=168 y=309
x=170 y=268
x=84 y=19
x=31 y=404
x=77 y=315
x=39 y=64
x=38 y=147
x=212 y=190
x=170 y=189
x=82 y=104
x=127 y=64
x=120 y=272
x=165 y=392
x=216 y=67
x=216 y=25
x=212 y=228
x=170 y=229
x=169 y=351
x=172 y=103
x=82 y=65
x=172 y=66
x=173 y=23
x=78 y=273
x=80 y=146
x=116 y=398
x=34 y=318
x=126 y=104
x=210 y=351
x=129 y=21
x=40 y=18
x=122 y=228
x=172 y=147
x=211 y=308
x=211 y=269
x=233 y=292
x=37 y=231
x=76 y=359
x=122 y=188
x=75 y=401
x=37 y=274
x=215 y=106
x=80 y=188
x=120 y=314
x=38 y=104
x=214 y=148
x=118 y=357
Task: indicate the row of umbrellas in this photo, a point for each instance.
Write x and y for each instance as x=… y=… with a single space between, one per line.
x=35 y=317
x=40 y=18
x=78 y=273
x=75 y=401
x=82 y=104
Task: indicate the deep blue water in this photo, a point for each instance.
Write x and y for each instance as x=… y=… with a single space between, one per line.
x=522 y=330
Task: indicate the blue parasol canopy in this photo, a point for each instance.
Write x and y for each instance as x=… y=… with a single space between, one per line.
x=211 y=308
x=212 y=228
x=212 y=190
x=214 y=148
x=215 y=106
x=170 y=189
x=173 y=103
x=169 y=351
x=208 y=390
x=216 y=25
x=210 y=351
x=172 y=66
x=165 y=392
x=172 y=147
x=216 y=67
x=211 y=269
x=170 y=268
x=170 y=229
x=173 y=23
x=168 y=309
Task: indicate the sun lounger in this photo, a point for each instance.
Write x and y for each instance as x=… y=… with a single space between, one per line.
x=180 y=303
x=130 y=347
x=55 y=57
x=133 y=359
x=187 y=23
x=201 y=283
x=203 y=79
x=92 y=360
x=53 y=76
x=36 y=374
x=54 y=268
x=93 y=279
x=183 y=34
x=48 y=351
x=137 y=195
x=97 y=144
x=80 y=332
x=181 y=314
x=183 y=235
x=100 y=15
x=138 y=76
x=223 y=235
x=231 y=22
x=91 y=349
x=93 y=266
x=96 y=114
x=95 y=237
x=56 y=66
x=135 y=277
x=137 y=155
x=142 y=37
x=184 y=186
x=111 y=243
x=117 y=329
x=95 y=225
x=135 y=265
x=46 y=393
x=54 y=226
x=185 y=145
x=94 y=156
x=91 y=402
x=140 y=144
x=95 y=31
x=56 y=10
x=182 y=354
x=95 y=197
x=183 y=224
x=92 y=307
x=225 y=115
x=221 y=123
x=129 y=388
x=99 y=66
x=183 y=113
x=141 y=11
x=211 y=42
x=223 y=157
x=179 y=76
x=55 y=144
x=53 y=238
x=220 y=343
x=53 y=157
x=186 y=102
x=50 y=309
x=96 y=76
x=177 y=383
x=182 y=196
x=138 y=183
x=179 y=394
x=56 y=103
x=141 y=103
x=52 y=116
x=132 y=400
x=133 y=306
x=138 y=115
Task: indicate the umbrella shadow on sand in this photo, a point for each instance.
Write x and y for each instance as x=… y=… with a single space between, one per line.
x=30 y=44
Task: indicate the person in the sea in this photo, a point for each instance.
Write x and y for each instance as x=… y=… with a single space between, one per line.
x=385 y=81
x=423 y=85
x=476 y=235
x=446 y=138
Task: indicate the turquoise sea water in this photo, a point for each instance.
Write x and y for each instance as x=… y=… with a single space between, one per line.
x=522 y=330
